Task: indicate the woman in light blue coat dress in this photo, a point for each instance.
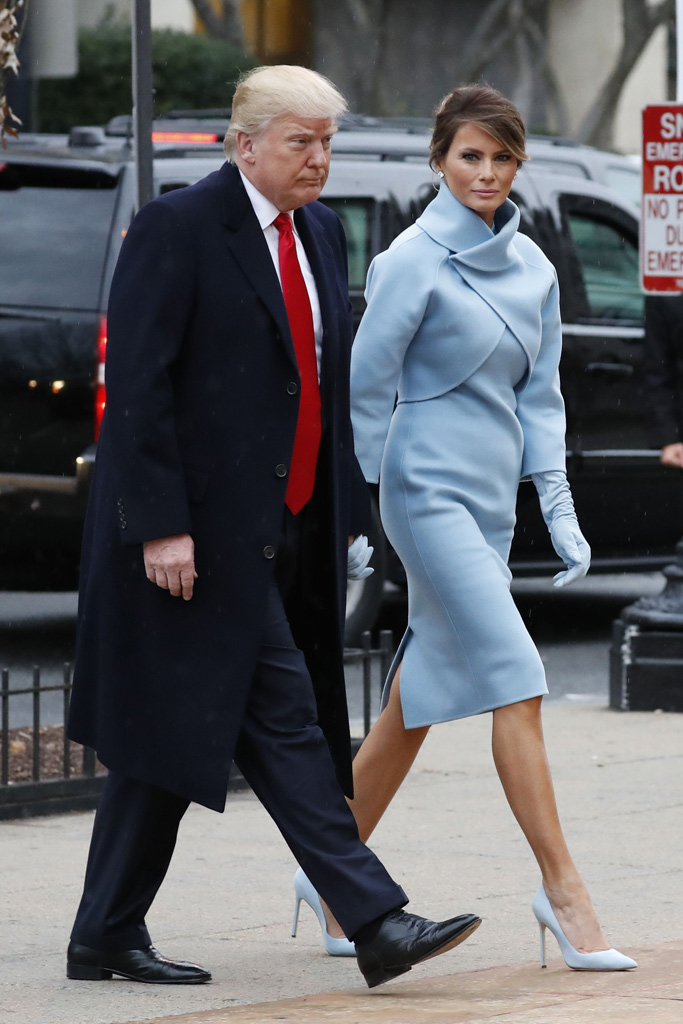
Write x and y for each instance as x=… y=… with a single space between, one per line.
x=455 y=399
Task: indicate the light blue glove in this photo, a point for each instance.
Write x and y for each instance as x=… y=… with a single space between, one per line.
x=360 y=554
x=557 y=507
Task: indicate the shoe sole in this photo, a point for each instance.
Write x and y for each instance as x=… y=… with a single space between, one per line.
x=382 y=975
x=88 y=972
x=452 y=943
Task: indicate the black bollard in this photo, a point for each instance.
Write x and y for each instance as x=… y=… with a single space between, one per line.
x=646 y=658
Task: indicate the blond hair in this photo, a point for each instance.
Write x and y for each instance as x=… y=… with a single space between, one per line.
x=269 y=92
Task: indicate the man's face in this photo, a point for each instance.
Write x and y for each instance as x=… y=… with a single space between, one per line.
x=289 y=161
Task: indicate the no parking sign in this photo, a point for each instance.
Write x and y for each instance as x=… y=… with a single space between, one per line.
x=661 y=234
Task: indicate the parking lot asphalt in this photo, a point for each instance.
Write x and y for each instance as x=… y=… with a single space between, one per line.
x=449 y=839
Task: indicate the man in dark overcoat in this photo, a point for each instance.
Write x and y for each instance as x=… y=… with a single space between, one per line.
x=663 y=376
x=216 y=543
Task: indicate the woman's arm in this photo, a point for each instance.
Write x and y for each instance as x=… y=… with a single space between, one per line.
x=398 y=291
x=540 y=406
x=541 y=412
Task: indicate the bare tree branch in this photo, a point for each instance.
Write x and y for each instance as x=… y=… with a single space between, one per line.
x=222 y=20
x=496 y=45
x=640 y=20
x=361 y=13
x=516 y=24
x=524 y=77
x=480 y=42
x=367 y=57
x=553 y=86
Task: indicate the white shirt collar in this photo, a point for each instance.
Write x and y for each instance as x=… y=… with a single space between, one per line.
x=265 y=211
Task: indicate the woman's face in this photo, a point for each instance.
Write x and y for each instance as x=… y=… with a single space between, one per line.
x=478 y=171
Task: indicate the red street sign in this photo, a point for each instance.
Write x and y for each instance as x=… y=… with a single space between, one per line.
x=661 y=232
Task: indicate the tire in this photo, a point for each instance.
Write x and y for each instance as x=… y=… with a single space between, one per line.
x=364 y=597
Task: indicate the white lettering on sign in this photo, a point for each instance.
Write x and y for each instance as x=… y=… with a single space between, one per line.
x=667 y=179
x=671 y=151
x=671 y=124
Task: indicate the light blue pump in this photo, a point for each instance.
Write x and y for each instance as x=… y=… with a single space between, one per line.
x=601 y=960
x=303 y=890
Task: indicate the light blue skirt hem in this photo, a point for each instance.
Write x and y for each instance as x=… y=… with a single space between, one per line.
x=481 y=711
x=451 y=717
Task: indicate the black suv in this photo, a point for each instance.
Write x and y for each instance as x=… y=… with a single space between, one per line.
x=65 y=205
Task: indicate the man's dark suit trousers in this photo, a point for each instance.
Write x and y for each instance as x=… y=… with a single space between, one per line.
x=285 y=758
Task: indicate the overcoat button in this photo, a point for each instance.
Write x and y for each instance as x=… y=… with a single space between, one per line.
x=281 y=470
x=269 y=551
x=292 y=387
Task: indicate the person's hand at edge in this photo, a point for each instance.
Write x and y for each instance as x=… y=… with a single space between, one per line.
x=169 y=563
x=672 y=455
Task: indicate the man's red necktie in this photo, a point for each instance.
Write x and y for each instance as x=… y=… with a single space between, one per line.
x=308 y=426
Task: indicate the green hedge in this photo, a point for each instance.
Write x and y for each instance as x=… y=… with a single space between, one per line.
x=190 y=71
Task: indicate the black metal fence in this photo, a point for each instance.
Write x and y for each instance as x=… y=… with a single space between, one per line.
x=371 y=658
x=69 y=782
x=70 y=778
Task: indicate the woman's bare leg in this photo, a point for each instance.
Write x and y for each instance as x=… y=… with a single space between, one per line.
x=379 y=768
x=520 y=758
x=382 y=763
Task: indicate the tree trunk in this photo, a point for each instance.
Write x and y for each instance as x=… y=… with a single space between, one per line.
x=517 y=25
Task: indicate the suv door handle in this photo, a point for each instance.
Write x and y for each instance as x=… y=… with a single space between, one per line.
x=613 y=369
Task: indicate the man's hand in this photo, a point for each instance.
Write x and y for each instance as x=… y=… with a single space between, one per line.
x=169 y=562
x=672 y=455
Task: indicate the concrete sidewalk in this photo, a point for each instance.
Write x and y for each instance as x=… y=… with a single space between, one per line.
x=449 y=838
x=514 y=995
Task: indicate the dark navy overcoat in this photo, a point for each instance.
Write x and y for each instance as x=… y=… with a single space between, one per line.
x=202 y=399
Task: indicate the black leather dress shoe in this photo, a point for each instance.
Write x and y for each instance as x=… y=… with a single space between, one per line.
x=402 y=940
x=85 y=964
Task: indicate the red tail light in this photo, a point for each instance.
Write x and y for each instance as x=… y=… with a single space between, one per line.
x=100 y=393
x=193 y=138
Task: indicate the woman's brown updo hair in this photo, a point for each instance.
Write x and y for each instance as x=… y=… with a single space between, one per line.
x=487 y=109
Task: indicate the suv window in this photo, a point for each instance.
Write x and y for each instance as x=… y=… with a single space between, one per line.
x=609 y=263
x=54 y=228
x=567 y=167
x=357 y=217
x=626 y=182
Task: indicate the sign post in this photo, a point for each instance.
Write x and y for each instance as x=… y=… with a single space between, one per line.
x=142 y=101
x=661 y=235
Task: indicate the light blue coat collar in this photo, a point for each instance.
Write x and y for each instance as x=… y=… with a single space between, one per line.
x=470 y=239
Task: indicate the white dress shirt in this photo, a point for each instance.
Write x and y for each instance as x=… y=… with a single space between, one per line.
x=266 y=212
